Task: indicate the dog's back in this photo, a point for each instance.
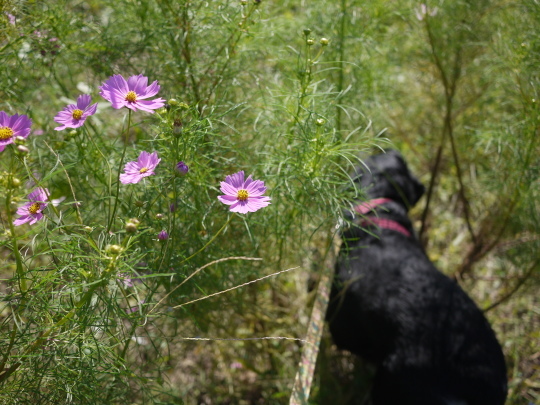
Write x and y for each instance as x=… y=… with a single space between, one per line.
x=391 y=306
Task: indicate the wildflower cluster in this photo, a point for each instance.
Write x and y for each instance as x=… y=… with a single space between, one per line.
x=242 y=195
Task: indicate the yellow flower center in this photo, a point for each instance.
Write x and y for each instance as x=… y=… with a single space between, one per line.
x=77 y=114
x=143 y=170
x=34 y=208
x=5 y=133
x=242 y=195
x=131 y=96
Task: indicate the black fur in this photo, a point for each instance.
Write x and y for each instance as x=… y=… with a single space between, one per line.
x=389 y=305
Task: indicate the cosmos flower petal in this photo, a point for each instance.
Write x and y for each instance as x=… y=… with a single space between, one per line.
x=149 y=105
x=29 y=212
x=228 y=189
x=227 y=199
x=236 y=180
x=66 y=118
x=138 y=84
x=116 y=89
x=132 y=170
x=249 y=200
x=83 y=101
x=256 y=188
x=150 y=91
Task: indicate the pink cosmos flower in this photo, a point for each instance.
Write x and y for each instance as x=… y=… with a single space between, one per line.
x=243 y=195
x=73 y=116
x=131 y=93
x=143 y=167
x=32 y=211
x=11 y=127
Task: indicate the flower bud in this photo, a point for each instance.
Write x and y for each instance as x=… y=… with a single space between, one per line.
x=310 y=42
x=159 y=216
x=173 y=102
x=320 y=121
x=15 y=182
x=324 y=41
x=307 y=31
x=182 y=168
x=139 y=204
x=23 y=150
x=19 y=140
x=113 y=250
x=134 y=221
x=131 y=227
x=88 y=229
x=163 y=236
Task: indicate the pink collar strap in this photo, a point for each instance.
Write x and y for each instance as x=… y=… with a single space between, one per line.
x=368 y=206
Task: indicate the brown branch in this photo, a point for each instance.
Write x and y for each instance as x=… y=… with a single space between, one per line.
x=515 y=288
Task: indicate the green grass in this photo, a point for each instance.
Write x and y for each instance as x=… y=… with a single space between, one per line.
x=456 y=92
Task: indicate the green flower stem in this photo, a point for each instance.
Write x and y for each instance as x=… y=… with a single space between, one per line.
x=18 y=259
x=209 y=242
x=87 y=296
x=111 y=219
x=91 y=139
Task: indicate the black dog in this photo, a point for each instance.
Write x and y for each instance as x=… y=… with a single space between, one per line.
x=389 y=305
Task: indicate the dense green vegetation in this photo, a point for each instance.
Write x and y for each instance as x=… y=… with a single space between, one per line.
x=95 y=309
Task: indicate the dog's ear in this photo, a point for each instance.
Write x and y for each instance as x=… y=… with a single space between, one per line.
x=387 y=175
x=407 y=185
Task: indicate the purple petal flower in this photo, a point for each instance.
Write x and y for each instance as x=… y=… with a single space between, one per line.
x=243 y=196
x=143 y=167
x=182 y=168
x=32 y=211
x=73 y=116
x=12 y=18
x=124 y=278
x=13 y=126
x=131 y=93
x=163 y=235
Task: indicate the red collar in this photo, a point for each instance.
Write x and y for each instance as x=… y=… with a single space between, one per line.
x=368 y=206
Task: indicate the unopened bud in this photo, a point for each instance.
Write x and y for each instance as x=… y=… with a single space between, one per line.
x=320 y=121
x=182 y=168
x=19 y=140
x=23 y=149
x=113 y=250
x=139 y=204
x=324 y=41
x=163 y=236
x=173 y=102
x=131 y=227
x=307 y=31
x=134 y=221
x=310 y=42
x=15 y=182
x=159 y=216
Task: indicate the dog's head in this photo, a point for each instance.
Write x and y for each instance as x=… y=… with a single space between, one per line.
x=387 y=176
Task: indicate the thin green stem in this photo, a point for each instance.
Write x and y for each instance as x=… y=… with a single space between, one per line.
x=112 y=218
x=209 y=242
